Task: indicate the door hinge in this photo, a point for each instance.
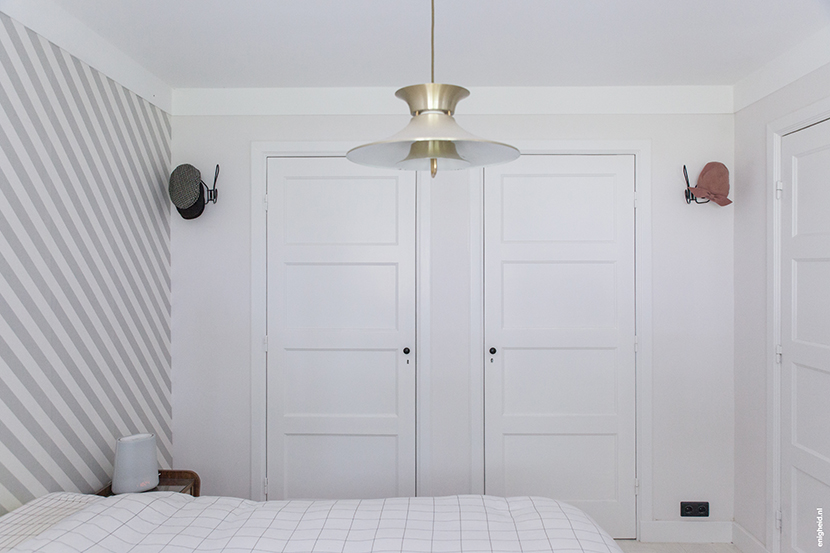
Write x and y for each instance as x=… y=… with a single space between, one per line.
x=265 y=487
x=778 y=520
x=265 y=202
x=779 y=189
x=636 y=486
x=636 y=344
x=779 y=353
x=265 y=343
x=635 y=200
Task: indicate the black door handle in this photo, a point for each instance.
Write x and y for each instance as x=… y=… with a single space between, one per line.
x=406 y=351
x=492 y=351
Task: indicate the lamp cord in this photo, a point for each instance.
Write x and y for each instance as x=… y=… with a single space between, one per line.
x=432 y=44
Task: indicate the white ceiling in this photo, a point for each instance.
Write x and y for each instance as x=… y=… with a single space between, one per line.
x=371 y=43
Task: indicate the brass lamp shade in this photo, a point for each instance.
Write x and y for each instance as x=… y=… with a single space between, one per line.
x=432 y=136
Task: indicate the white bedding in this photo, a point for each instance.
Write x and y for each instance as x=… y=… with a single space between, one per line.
x=38 y=515
x=168 y=522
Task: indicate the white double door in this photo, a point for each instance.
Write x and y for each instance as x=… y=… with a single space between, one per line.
x=805 y=338
x=559 y=310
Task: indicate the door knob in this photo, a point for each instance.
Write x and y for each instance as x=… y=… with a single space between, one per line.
x=492 y=351
x=406 y=351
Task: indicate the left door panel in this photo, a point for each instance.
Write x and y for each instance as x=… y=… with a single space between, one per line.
x=341 y=313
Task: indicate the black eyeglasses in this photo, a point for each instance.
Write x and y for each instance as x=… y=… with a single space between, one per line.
x=690 y=197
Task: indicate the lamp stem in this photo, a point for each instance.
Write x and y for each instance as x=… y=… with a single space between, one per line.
x=433 y=163
x=432 y=45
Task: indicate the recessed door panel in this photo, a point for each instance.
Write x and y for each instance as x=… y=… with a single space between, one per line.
x=811 y=302
x=557 y=299
x=583 y=206
x=587 y=466
x=340 y=382
x=362 y=467
x=809 y=498
x=355 y=296
x=809 y=203
x=559 y=381
x=344 y=210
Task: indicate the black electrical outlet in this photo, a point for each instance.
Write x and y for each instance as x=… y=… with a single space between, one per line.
x=694 y=508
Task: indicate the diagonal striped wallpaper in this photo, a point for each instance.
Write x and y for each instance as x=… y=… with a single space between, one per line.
x=84 y=270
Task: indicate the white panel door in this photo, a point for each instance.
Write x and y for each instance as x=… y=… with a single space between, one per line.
x=805 y=332
x=559 y=315
x=341 y=311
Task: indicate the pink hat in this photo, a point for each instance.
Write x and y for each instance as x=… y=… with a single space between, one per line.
x=713 y=183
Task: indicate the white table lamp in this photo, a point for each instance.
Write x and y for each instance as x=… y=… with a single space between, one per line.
x=136 y=466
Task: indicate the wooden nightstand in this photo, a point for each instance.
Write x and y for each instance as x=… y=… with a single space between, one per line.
x=181 y=481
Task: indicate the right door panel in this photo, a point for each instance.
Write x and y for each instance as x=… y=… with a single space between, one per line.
x=805 y=337
x=559 y=313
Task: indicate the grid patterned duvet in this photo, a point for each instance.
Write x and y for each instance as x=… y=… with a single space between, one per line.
x=39 y=515
x=167 y=522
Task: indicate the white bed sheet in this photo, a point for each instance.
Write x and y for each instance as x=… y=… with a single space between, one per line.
x=164 y=522
x=39 y=515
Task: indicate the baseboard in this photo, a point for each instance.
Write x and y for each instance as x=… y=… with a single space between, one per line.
x=686 y=531
x=745 y=541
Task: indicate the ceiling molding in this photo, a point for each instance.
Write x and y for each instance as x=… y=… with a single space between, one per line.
x=787 y=68
x=482 y=101
x=57 y=26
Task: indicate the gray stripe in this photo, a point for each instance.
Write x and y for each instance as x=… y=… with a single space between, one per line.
x=32 y=347
x=17 y=489
x=80 y=276
x=136 y=165
x=117 y=186
x=155 y=193
x=30 y=461
x=65 y=322
x=117 y=149
x=22 y=373
x=76 y=202
x=151 y=116
x=35 y=429
x=112 y=182
x=124 y=180
x=156 y=179
x=151 y=147
x=95 y=207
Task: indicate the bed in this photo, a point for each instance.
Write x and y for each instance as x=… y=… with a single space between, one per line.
x=166 y=522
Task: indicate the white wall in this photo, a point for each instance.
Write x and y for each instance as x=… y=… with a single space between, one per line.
x=753 y=484
x=693 y=299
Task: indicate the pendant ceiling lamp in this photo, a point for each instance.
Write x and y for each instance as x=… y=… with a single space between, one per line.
x=432 y=139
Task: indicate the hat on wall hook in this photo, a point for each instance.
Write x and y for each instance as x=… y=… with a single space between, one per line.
x=188 y=191
x=712 y=184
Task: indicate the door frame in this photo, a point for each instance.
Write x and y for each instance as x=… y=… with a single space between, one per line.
x=641 y=149
x=776 y=131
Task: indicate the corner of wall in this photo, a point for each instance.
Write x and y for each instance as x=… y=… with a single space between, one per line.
x=746 y=542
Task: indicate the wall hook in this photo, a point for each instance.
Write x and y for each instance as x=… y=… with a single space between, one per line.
x=690 y=197
x=212 y=194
